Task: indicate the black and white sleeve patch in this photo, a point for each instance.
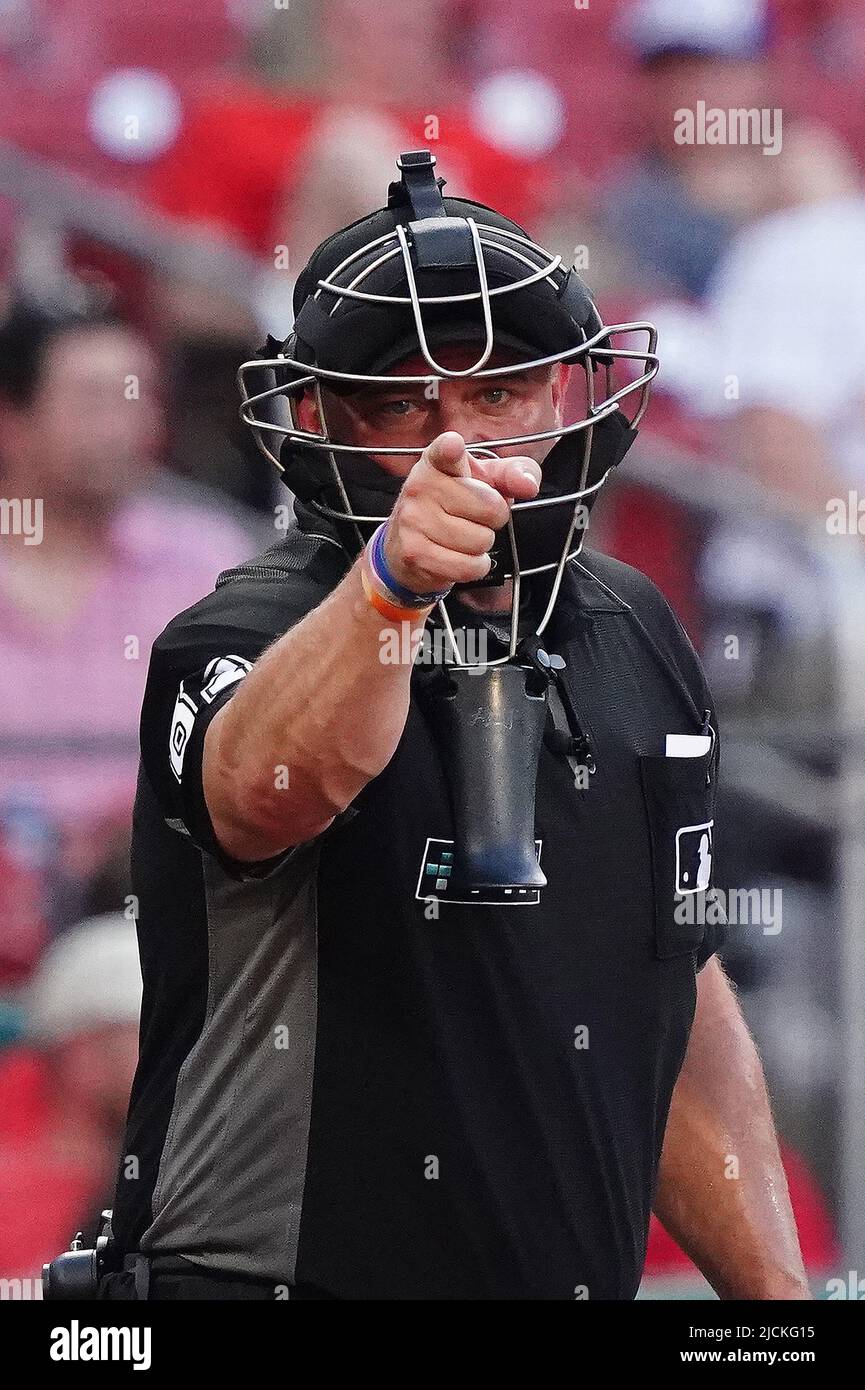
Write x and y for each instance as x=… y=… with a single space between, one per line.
x=182 y=723
x=219 y=675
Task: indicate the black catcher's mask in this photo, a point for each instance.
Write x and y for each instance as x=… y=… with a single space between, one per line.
x=422 y=272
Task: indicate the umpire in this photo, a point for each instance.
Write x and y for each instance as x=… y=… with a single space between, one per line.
x=385 y=1054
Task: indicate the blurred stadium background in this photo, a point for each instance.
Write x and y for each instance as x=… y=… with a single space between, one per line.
x=173 y=164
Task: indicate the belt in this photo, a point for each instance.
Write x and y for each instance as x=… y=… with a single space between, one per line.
x=148 y=1271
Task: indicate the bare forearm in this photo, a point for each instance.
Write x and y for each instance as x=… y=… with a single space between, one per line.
x=722 y=1192
x=318 y=716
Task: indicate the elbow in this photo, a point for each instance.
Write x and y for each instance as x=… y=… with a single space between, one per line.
x=282 y=817
x=257 y=813
x=266 y=818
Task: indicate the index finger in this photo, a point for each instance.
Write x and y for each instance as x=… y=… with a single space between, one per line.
x=447 y=454
x=513 y=476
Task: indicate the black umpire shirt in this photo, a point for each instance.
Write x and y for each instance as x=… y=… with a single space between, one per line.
x=352 y=1082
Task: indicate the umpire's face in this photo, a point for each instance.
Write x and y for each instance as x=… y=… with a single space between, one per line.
x=478 y=409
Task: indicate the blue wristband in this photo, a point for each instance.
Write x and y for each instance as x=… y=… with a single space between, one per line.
x=379 y=566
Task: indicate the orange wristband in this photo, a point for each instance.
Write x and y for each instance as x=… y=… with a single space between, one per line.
x=381 y=605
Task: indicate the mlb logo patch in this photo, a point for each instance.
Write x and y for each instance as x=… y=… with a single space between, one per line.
x=694 y=857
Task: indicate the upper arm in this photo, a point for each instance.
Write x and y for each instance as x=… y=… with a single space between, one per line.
x=197 y=666
x=239 y=835
x=719 y=1023
x=177 y=719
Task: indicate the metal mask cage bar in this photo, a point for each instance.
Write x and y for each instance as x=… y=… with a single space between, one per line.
x=483 y=293
x=340 y=292
x=311 y=376
x=518 y=573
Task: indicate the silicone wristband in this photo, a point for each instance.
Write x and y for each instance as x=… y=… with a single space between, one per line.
x=403 y=596
x=392 y=611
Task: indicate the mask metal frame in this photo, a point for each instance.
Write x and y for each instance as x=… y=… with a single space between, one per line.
x=594 y=352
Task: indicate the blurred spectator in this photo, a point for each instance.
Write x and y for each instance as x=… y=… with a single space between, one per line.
x=75 y=71
x=208 y=443
x=679 y=203
x=97 y=553
x=787 y=320
x=775 y=365
x=777 y=360
x=64 y=1093
x=284 y=162
x=821 y=60
x=547 y=79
